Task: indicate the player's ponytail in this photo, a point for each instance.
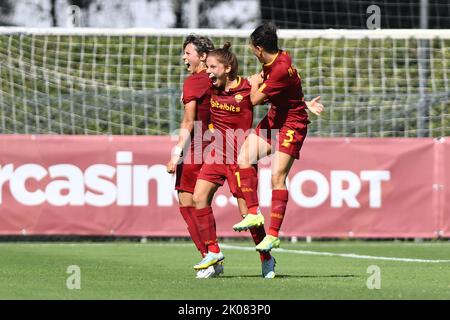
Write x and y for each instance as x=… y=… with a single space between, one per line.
x=226 y=46
x=227 y=58
x=265 y=36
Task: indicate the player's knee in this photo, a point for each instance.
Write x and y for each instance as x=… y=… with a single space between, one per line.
x=196 y=198
x=243 y=160
x=185 y=199
x=199 y=199
x=278 y=180
x=185 y=203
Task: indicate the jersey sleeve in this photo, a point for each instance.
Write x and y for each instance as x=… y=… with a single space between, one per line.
x=276 y=81
x=194 y=89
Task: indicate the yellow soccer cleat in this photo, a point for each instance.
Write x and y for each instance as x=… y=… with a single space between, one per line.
x=250 y=221
x=269 y=242
x=210 y=259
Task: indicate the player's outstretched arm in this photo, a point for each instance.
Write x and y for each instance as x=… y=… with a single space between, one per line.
x=315 y=106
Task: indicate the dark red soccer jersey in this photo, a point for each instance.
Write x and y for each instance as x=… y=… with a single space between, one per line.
x=283 y=86
x=230 y=111
x=197 y=88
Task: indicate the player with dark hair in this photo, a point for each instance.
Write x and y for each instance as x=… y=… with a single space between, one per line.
x=280 y=84
x=231 y=118
x=196 y=100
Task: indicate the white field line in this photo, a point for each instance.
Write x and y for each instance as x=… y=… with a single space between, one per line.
x=233 y=247
x=332 y=254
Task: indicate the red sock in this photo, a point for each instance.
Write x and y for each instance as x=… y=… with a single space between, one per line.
x=188 y=214
x=258 y=234
x=207 y=228
x=249 y=188
x=279 y=202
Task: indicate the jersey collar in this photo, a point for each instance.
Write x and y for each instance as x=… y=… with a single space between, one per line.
x=273 y=60
x=237 y=83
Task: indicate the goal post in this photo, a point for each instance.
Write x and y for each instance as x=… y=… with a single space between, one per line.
x=373 y=83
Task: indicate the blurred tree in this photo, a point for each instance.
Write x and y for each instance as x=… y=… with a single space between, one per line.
x=351 y=14
x=205 y=7
x=178 y=11
x=83 y=4
x=5 y=9
x=53 y=13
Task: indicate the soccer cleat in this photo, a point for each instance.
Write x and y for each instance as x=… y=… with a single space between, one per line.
x=268 y=268
x=201 y=273
x=210 y=259
x=250 y=221
x=268 y=243
x=218 y=268
x=210 y=272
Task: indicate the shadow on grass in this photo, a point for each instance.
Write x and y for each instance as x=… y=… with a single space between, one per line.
x=287 y=276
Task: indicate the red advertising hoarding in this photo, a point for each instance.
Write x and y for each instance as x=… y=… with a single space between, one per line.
x=443 y=185
x=340 y=187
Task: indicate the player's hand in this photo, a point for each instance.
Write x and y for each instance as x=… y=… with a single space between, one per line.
x=171 y=165
x=256 y=79
x=315 y=106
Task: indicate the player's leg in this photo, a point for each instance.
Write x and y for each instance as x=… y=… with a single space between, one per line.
x=185 y=184
x=203 y=193
x=253 y=149
x=281 y=165
x=289 y=145
x=188 y=213
x=208 y=181
x=258 y=234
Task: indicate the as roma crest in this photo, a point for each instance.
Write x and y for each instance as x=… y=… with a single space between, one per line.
x=238 y=98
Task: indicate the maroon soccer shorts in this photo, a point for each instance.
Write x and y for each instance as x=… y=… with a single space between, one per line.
x=187 y=175
x=290 y=136
x=218 y=173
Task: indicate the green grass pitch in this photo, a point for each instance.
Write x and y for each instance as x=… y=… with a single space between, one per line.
x=163 y=270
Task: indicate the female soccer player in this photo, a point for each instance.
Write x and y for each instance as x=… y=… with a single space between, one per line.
x=196 y=100
x=231 y=118
x=280 y=84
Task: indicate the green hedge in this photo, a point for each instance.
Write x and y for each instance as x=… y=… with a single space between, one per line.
x=131 y=85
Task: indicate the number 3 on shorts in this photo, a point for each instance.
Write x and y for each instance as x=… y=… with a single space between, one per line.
x=290 y=138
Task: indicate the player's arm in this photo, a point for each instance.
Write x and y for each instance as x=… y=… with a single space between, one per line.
x=264 y=87
x=315 y=106
x=186 y=127
x=256 y=94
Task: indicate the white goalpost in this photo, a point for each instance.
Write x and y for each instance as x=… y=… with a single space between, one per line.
x=373 y=83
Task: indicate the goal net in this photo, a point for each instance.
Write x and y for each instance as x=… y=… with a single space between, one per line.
x=373 y=83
